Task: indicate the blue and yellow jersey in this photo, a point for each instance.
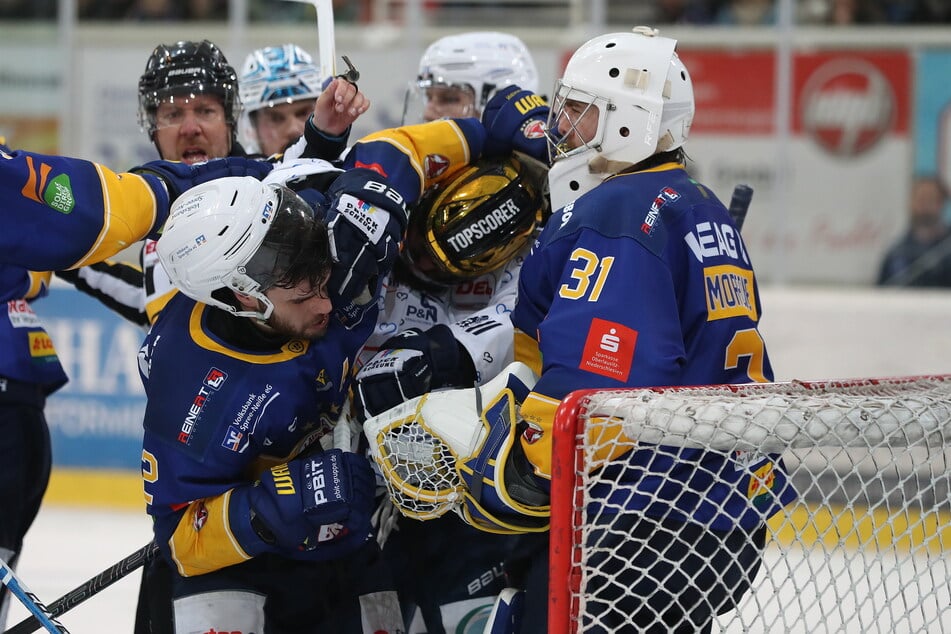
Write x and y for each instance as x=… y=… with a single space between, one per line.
x=217 y=415
x=416 y=157
x=61 y=213
x=645 y=281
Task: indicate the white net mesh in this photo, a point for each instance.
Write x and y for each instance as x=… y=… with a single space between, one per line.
x=863 y=548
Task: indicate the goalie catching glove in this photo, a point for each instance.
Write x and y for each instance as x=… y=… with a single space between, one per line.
x=366 y=219
x=459 y=450
x=316 y=507
x=410 y=364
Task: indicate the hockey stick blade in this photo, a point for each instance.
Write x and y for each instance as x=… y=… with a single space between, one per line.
x=42 y=615
x=93 y=586
x=740 y=204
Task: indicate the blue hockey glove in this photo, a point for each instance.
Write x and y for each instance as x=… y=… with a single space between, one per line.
x=514 y=120
x=408 y=365
x=316 y=507
x=179 y=177
x=366 y=219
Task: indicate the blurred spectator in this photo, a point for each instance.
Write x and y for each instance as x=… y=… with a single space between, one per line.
x=747 y=12
x=156 y=10
x=207 y=9
x=844 y=12
x=922 y=257
x=27 y=9
x=682 y=12
x=273 y=11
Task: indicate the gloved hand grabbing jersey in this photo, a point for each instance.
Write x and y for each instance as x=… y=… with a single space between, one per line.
x=316 y=507
x=179 y=177
x=514 y=120
x=410 y=364
x=366 y=218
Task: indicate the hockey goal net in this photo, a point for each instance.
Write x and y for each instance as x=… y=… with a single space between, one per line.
x=865 y=547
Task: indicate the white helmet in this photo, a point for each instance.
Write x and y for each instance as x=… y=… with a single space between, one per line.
x=643 y=97
x=481 y=62
x=240 y=234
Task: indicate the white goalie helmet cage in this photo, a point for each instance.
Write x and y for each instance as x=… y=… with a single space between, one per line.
x=644 y=99
x=481 y=62
x=219 y=236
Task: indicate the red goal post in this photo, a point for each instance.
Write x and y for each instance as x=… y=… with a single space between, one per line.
x=866 y=547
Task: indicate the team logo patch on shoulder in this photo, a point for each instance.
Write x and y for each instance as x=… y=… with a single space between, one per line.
x=434 y=165
x=609 y=349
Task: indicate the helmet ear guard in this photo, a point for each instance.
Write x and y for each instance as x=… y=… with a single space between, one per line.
x=476 y=222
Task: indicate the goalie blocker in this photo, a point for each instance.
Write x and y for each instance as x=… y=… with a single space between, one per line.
x=457 y=450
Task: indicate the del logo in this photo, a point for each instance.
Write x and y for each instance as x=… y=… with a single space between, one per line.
x=847 y=106
x=215 y=378
x=609 y=349
x=435 y=165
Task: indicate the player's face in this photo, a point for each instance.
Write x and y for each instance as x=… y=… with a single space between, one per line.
x=281 y=124
x=449 y=102
x=192 y=129
x=577 y=123
x=302 y=311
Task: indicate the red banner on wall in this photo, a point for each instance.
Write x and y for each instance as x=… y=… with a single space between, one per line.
x=846 y=101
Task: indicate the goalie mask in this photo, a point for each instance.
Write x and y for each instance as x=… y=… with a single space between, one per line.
x=476 y=222
x=239 y=234
x=180 y=72
x=458 y=74
x=623 y=98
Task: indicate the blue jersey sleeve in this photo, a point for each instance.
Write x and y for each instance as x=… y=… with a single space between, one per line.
x=61 y=213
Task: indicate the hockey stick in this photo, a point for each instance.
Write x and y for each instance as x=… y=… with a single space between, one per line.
x=42 y=615
x=93 y=586
x=325 y=36
x=740 y=204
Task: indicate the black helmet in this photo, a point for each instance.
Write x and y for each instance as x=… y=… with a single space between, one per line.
x=187 y=68
x=477 y=221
